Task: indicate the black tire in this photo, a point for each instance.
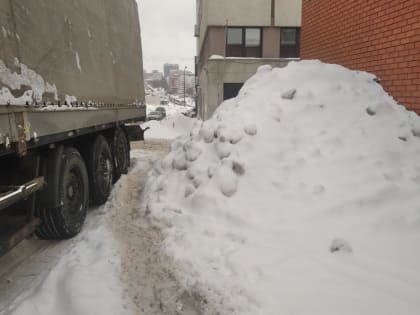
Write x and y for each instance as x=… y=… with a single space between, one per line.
x=121 y=152
x=99 y=164
x=63 y=203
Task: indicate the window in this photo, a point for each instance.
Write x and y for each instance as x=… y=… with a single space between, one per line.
x=243 y=42
x=252 y=37
x=235 y=36
x=290 y=42
x=234 y=42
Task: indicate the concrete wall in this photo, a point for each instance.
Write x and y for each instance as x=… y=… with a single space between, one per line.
x=215 y=43
x=288 y=13
x=220 y=71
x=213 y=16
x=233 y=13
x=48 y=35
x=201 y=22
x=239 y=12
x=380 y=36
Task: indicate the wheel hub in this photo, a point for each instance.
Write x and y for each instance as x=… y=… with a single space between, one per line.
x=74 y=197
x=105 y=172
x=70 y=192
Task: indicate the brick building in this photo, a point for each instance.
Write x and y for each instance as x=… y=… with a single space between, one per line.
x=378 y=36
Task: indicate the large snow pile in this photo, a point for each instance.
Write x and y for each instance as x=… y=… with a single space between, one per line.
x=300 y=196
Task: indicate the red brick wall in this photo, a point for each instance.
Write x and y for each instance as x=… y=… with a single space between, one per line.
x=378 y=36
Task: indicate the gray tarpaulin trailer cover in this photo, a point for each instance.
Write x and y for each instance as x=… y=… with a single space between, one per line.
x=90 y=49
x=71 y=97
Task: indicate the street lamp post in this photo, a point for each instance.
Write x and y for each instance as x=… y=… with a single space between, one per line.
x=184 y=85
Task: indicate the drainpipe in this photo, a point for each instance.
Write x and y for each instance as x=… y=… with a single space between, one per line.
x=273 y=9
x=226 y=36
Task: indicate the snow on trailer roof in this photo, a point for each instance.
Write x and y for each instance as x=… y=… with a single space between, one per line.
x=298 y=196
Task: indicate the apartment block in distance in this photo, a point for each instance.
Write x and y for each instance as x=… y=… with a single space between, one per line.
x=234 y=38
x=381 y=37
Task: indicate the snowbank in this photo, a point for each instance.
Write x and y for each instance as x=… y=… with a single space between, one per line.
x=300 y=196
x=85 y=279
x=168 y=128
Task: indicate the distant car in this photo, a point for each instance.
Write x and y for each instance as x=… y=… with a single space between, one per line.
x=164 y=102
x=155 y=115
x=190 y=113
x=161 y=110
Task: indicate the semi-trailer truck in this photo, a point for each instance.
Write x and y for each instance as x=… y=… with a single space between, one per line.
x=71 y=94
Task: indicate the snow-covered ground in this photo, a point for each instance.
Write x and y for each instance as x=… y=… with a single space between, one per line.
x=174 y=125
x=168 y=128
x=83 y=279
x=112 y=267
x=172 y=110
x=300 y=196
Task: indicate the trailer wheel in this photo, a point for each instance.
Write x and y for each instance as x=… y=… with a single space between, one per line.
x=121 y=153
x=100 y=170
x=63 y=205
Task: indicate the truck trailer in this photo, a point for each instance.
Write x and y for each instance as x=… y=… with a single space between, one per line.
x=71 y=99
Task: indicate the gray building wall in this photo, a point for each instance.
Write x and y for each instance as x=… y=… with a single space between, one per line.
x=47 y=35
x=213 y=19
x=215 y=43
x=288 y=13
x=221 y=71
x=246 y=13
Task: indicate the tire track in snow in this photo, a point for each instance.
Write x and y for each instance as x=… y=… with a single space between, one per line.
x=145 y=272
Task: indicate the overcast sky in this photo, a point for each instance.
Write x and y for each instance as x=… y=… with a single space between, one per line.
x=167 y=28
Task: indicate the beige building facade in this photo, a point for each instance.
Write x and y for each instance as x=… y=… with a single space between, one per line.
x=234 y=38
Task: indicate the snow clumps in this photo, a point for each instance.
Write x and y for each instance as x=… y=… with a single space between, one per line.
x=302 y=155
x=220 y=169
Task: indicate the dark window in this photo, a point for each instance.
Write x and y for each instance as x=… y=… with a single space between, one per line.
x=243 y=42
x=231 y=90
x=290 y=42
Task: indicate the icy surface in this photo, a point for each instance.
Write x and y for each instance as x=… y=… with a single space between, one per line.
x=303 y=204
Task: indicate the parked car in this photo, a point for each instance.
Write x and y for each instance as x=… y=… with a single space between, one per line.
x=161 y=110
x=164 y=101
